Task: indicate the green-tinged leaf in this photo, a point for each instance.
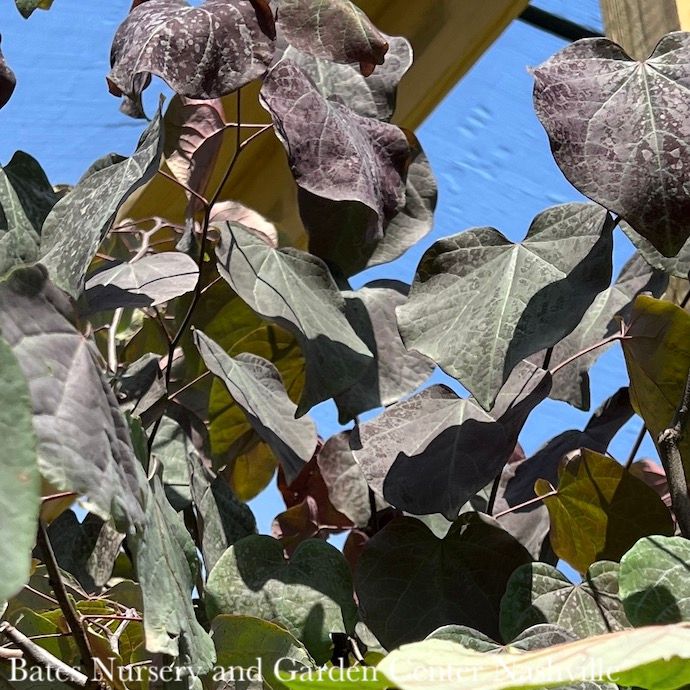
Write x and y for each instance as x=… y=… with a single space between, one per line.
x=394 y=371
x=539 y=593
x=337 y=31
x=432 y=452
x=205 y=51
x=27 y=7
x=256 y=386
x=7 y=81
x=148 y=282
x=221 y=518
x=480 y=304
x=84 y=444
x=409 y=582
x=86 y=549
x=658 y=358
x=655 y=658
x=297 y=291
x=251 y=470
x=571 y=383
x=310 y=595
x=373 y=96
x=334 y=678
x=78 y=223
x=600 y=510
x=163 y=552
x=619 y=131
x=654 y=579
x=259 y=647
x=20 y=486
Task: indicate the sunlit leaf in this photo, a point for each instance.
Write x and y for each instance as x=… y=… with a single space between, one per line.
x=539 y=593
x=310 y=595
x=600 y=510
x=480 y=304
x=654 y=581
x=409 y=582
x=432 y=452
x=394 y=371
x=79 y=221
x=27 y=7
x=297 y=291
x=204 y=51
x=19 y=479
x=257 y=388
x=658 y=358
x=619 y=130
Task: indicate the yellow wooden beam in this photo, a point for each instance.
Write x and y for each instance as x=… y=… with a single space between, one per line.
x=683 y=7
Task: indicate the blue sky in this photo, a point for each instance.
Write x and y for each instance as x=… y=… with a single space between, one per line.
x=489 y=153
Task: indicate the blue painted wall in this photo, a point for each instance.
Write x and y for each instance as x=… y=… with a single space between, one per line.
x=487 y=148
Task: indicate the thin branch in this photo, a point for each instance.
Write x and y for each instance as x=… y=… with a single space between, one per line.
x=669 y=451
x=70 y=676
x=204 y=202
x=525 y=504
x=494 y=492
x=68 y=610
x=189 y=385
x=587 y=350
x=636 y=447
x=112 y=340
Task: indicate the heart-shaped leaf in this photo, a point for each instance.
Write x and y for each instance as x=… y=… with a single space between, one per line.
x=480 y=304
x=571 y=383
x=83 y=441
x=657 y=355
x=394 y=371
x=310 y=595
x=148 y=282
x=19 y=479
x=600 y=510
x=619 y=131
x=297 y=291
x=342 y=162
x=78 y=223
x=337 y=31
x=654 y=581
x=654 y=657
x=202 y=52
x=7 y=80
x=432 y=452
x=539 y=593
x=409 y=582
x=256 y=386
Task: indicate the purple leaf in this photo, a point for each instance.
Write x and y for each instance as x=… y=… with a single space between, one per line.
x=338 y=158
x=620 y=131
x=337 y=30
x=201 y=52
x=7 y=81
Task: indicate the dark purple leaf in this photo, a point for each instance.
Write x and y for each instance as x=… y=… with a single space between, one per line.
x=201 y=52
x=410 y=583
x=620 y=131
x=7 y=80
x=338 y=158
x=434 y=451
x=337 y=30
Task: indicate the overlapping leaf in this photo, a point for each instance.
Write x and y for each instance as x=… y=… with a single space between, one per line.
x=257 y=388
x=654 y=579
x=343 y=163
x=409 y=582
x=78 y=222
x=297 y=291
x=539 y=593
x=658 y=358
x=600 y=510
x=620 y=132
x=434 y=451
x=7 y=81
x=480 y=304
x=19 y=478
x=337 y=31
x=571 y=383
x=310 y=596
x=148 y=282
x=394 y=371
x=83 y=440
x=678 y=265
x=654 y=657
x=205 y=51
